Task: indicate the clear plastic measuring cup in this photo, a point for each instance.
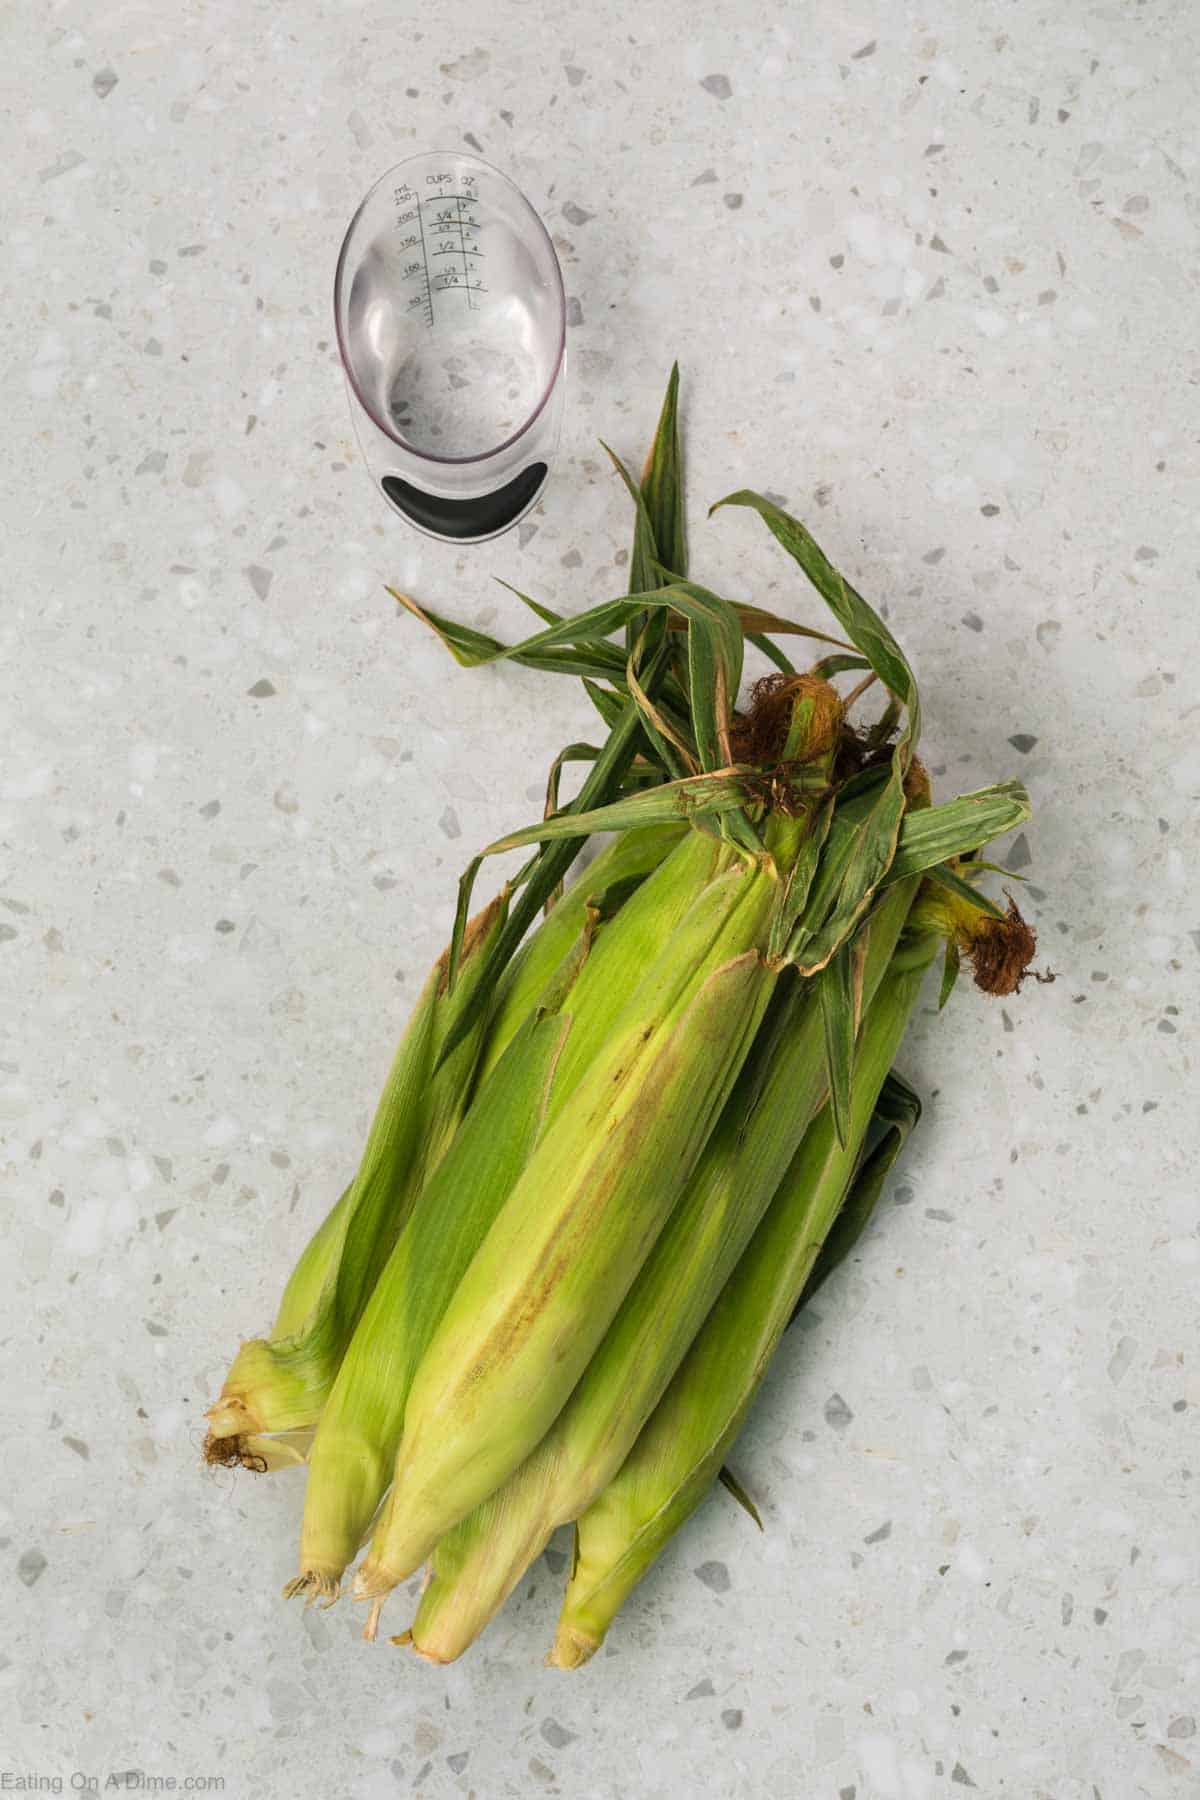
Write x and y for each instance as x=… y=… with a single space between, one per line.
x=451 y=324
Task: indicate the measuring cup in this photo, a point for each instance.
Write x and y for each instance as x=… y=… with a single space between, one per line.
x=451 y=324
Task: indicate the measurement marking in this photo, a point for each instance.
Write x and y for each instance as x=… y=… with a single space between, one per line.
x=450 y=220
x=425 y=260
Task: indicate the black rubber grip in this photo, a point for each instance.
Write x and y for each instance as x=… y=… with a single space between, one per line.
x=466 y=519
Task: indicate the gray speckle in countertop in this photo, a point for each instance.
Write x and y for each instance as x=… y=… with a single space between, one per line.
x=837 y=1413
x=556 y=1735
x=31 y=1566
x=714 y=1575
x=260 y=579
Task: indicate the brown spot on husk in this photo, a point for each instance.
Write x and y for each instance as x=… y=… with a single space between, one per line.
x=917 y=786
x=474 y=933
x=1001 y=951
x=772 y=789
x=231 y=1453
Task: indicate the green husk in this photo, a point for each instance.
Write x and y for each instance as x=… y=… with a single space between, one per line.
x=681 y=1450
x=781 y=1088
x=588 y=1001
x=314 y=1270
x=608 y=883
x=310 y=1275
x=574 y=1232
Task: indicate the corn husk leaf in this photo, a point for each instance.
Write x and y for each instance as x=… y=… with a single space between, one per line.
x=660 y=534
x=312 y=1272
x=871 y=853
x=829 y=666
x=612 y=877
x=667 y=730
x=803 y=874
x=730 y=1481
x=546 y=614
x=827 y=919
x=897 y=1113
x=724 y=792
x=951 y=964
x=838 y=1019
x=607 y=703
x=715 y=637
x=757 y=621
x=569 y=753
x=772 y=652
x=948 y=878
x=861 y=623
x=938 y=833
x=562 y=655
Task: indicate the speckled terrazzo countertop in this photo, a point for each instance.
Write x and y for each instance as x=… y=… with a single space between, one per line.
x=931 y=273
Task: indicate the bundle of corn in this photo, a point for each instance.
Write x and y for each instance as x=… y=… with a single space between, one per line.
x=609 y=1165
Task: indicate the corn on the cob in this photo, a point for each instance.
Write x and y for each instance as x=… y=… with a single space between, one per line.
x=315 y=1268
x=681 y=1449
x=780 y=1090
x=573 y=1234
